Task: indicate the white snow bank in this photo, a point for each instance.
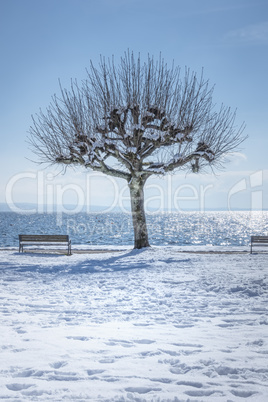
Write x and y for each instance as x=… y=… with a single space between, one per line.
x=153 y=325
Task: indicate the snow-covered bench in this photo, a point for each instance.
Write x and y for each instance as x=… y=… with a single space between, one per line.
x=258 y=241
x=44 y=240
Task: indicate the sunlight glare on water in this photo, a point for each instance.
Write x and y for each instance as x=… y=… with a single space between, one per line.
x=186 y=228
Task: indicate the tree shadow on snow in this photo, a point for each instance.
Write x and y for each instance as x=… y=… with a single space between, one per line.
x=70 y=266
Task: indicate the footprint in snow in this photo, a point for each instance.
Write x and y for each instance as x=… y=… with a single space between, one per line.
x=188 y=345
x=163 y=380
x=104 y=361
x=243 y=394
x=141 y=390
x=58 y=365
x=170 y=352
x=121 y=342
x=257 y=342
x=183 y=325
x=94 y=372
x=20 y=331
x=18 y=350
x=144 y=341
x=182 y=368
x=25 y=373
x=18 y=387
x=79 y=338
x=191 y=384
x=200 y=392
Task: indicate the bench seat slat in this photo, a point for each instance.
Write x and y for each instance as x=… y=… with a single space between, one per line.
x=43 y=240
x=34 y=243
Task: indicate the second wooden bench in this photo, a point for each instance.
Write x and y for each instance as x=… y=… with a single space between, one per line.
x=258 y=241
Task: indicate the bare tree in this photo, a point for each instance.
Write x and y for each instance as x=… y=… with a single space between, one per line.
x=134 y=120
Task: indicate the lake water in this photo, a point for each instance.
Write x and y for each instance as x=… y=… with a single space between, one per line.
x=186 y=228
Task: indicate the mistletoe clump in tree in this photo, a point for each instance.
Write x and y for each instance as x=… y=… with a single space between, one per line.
x=134 y=120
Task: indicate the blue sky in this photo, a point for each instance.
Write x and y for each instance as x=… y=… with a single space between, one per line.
x=44 y=41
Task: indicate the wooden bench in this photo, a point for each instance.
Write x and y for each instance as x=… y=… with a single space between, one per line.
x=258 y=241
x=44 y=240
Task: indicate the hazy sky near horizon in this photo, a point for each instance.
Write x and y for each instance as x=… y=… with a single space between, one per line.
x=44 y=41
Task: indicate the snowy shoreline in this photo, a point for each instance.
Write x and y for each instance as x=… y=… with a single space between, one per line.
x=161 y=324
x=127 y=248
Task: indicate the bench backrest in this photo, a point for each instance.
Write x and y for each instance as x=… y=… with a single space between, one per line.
x=52 y=238
x=259 y=239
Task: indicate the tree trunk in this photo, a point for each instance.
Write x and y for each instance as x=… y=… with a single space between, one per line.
x=138 y=213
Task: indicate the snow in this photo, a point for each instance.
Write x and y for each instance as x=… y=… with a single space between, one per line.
x=179 y=137
x=138 y=127
x=162 y=324
x=154 y=135
x=149 y=114
x=132 y=149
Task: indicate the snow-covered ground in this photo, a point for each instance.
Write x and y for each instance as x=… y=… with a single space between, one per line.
x=154 y=325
